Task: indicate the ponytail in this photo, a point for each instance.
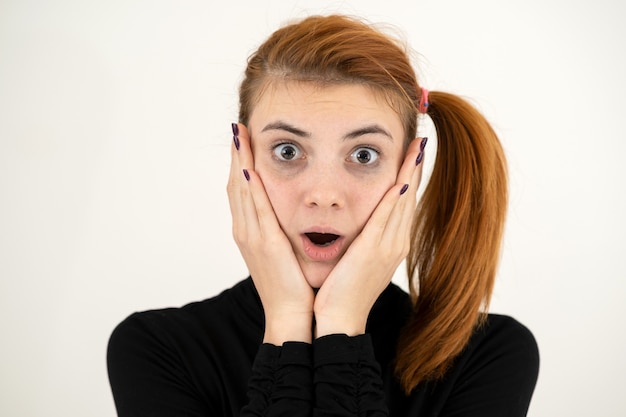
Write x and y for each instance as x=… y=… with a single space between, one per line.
x=456 y=241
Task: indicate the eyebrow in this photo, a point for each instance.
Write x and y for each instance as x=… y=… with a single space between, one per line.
x=367 y=130
x=279 y=125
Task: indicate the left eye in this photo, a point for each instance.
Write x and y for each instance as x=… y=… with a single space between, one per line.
x=287 y=152
x=364 y=156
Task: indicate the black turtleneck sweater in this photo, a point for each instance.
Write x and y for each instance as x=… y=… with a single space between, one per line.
x=207 y=359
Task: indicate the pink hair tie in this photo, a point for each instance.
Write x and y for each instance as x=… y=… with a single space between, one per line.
x=423 y=105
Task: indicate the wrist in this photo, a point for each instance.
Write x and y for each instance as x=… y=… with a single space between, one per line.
x=327 y=325
x=281 y=328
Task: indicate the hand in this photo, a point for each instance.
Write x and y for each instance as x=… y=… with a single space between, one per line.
x=286 y=296
x=344 y=301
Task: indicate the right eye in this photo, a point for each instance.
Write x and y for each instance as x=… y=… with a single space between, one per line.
x=287 y=152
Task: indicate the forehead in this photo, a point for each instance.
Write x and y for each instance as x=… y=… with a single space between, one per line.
x=313 y=102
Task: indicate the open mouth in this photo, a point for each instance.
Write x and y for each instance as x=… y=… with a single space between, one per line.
x=322 y=239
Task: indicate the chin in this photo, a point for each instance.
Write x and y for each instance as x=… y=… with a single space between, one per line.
x=316 y=275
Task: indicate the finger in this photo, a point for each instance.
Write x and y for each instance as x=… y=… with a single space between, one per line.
x=401 y=218
x=233 y=190
x=266 y=217
x=244 y=154
x=257 y=208
x=412 y=163
x=243 y=210
x=245 y=174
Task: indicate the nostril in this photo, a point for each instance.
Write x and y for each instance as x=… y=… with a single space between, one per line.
x=324 y=203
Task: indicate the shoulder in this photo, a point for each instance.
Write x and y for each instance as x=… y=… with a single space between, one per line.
x=505 y=335
x=185 y=357
x=504 y=340
x=496 y=373
x=172 y=328
x=500 y=364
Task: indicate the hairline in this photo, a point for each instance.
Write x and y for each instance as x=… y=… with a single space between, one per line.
x=391 y=97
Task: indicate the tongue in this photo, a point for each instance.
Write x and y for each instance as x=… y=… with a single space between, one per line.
x=322 y=239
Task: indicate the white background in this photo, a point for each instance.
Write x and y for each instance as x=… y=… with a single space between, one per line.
x=114 y=154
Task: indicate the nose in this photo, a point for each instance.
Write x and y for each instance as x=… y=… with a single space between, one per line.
x=325 y=187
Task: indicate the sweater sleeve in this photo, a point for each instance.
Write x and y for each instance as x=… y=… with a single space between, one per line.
x=149 y=376
x=347 y=377
x=281 y=382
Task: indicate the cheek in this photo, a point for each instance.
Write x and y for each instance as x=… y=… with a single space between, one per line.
x=367 y=195
x=281 y=195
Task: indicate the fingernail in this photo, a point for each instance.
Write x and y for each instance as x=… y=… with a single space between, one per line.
x=235 y=135
x=404 y=188
x=419 y=158
x=246 y=174
x=423 y=144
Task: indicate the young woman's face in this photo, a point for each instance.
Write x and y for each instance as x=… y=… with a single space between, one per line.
x=326 y=156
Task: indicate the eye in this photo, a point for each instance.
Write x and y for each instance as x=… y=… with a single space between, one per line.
x=287 y=152
x=364 y=156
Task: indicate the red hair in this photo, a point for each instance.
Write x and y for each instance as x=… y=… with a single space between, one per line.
x=458 y=225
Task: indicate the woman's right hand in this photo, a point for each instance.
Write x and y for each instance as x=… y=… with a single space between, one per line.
x=286 y=296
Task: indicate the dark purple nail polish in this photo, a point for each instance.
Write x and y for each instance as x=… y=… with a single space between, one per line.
x=419 y=158
x=423 y=144
x=235 y=134
x=404 y=188
x=246 y=174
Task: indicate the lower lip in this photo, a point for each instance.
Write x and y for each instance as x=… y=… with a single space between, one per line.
x=322 y=253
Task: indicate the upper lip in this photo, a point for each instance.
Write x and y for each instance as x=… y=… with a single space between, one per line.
x=322 y=229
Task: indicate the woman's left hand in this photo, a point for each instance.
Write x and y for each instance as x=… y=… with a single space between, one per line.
x=344 y=301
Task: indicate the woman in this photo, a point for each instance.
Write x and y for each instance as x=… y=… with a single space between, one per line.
x=325 y=167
